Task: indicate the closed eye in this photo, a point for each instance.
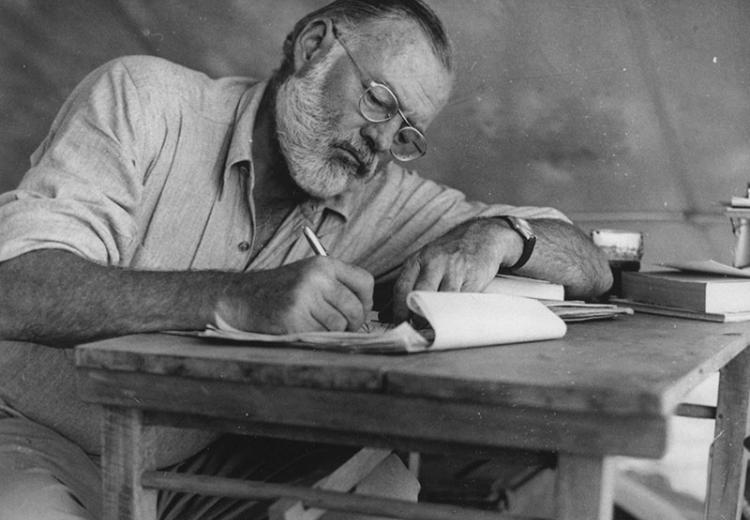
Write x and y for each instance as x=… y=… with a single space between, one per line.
x=379 y=97
x=374 y=100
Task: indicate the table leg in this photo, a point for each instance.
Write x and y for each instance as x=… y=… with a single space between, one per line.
x=584 y=487
x=728 y=458
x=128 y=451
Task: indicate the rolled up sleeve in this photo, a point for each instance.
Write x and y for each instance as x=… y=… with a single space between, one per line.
x=85 y=179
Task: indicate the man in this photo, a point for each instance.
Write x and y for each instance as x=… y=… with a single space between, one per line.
x=162 y=199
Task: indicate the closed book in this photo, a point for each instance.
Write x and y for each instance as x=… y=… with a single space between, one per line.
x=523 y=286
x=693 y=291
x=676 y=312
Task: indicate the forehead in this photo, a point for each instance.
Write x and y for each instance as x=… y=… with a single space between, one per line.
x=398 y=54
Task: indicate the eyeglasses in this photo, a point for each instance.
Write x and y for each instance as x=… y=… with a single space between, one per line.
x=379 y=104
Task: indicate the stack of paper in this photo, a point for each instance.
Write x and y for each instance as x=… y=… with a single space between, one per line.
x=553 y=296
x=572 y=311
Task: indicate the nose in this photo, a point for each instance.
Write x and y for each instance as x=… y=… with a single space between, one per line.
x=380 y=136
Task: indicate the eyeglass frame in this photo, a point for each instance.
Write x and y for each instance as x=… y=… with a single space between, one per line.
x=368 y=83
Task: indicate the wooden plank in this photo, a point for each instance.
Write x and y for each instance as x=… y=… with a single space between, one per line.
x=405 y=417
x=344 y=479
x=307 y=434
x=128 y=452
x=728 y=457
x=696 y=411
x=187 y=356
x=333 y=500
x=584 y=487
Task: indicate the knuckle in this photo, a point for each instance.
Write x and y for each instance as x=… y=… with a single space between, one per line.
x=335 y=321
x=319 y=264
x=369 y=282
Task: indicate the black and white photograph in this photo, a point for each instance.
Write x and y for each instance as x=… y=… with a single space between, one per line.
x=361 y=259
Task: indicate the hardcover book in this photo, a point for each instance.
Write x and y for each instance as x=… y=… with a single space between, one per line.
x=704 y=293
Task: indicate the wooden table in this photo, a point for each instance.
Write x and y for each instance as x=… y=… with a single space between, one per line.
x=608 y=388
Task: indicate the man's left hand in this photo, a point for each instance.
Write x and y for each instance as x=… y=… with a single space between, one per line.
x=464 y=259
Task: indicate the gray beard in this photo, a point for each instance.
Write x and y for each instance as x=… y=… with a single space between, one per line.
x=306 y=132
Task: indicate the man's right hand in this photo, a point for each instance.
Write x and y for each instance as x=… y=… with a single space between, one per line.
x=315 y=294
x=58 y=298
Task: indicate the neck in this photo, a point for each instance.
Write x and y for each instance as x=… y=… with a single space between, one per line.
x=273 y=184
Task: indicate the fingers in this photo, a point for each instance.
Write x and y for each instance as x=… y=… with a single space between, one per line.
x=337 y=296
x=339 y=315
x=435 y=269
x=319 y=293
x=357 y=280
x=424 y=273
x=327 y=317
x=404 y=284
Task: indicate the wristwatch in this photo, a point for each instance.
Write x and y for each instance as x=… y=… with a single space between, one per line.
x=523 y=228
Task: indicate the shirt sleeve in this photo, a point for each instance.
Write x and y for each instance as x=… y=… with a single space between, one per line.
x=408 y=212
x=84 y=183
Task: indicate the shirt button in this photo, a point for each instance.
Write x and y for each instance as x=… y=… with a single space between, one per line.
x=243 y=246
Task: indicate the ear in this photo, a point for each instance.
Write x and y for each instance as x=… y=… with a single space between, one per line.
x=312 y=42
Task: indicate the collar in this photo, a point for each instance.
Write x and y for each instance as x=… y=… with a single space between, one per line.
x=241 y=144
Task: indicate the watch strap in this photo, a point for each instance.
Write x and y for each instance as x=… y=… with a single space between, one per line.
x=523 y=229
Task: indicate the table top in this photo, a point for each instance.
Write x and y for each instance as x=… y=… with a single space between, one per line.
x=630 y=365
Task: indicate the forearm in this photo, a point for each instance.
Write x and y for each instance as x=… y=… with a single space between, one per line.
x=565 y=255
x=57 y=298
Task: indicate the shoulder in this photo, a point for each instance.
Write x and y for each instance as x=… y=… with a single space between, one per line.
x=163 y=85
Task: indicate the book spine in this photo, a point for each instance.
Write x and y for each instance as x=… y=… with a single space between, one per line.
x=670 y=293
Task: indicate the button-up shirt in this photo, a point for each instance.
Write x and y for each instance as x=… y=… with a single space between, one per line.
x=149 y=165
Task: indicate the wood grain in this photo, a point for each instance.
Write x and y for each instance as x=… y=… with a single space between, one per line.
x=128 y=452
x=383 y=414
x=728 y=456
x=636 y=364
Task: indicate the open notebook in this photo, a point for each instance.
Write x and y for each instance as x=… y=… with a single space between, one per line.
x=456 y=320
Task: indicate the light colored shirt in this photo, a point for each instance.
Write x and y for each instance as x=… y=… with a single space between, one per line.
x=148 y=165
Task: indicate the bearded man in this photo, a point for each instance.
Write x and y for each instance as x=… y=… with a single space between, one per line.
x=162 y=198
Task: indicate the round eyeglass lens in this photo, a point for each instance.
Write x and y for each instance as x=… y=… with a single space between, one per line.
x=378 y=103
x=408 y=144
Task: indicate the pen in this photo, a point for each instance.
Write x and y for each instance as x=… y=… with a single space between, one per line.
x=314 y=242
x=316 y=246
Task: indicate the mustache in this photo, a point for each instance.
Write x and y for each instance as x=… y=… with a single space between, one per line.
x=367 y=159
